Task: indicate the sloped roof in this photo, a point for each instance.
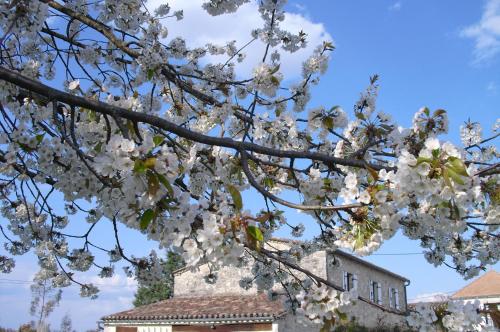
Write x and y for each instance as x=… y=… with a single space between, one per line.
x=334 y=252
x=349 y=256
x=206 y=307
x=485 y=286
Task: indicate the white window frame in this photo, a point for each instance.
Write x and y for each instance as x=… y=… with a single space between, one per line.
x=391 y=290
x=394 y=298
x=349 y=281
x=376 y=287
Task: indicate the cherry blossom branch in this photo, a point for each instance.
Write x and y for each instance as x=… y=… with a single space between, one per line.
x=50 y=93
x=263 y=191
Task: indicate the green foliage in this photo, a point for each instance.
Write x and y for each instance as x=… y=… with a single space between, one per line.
x=236 y=195
x=146 y=218
x=161 y=290
x=255 y=233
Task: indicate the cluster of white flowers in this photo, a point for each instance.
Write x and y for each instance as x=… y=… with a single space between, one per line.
x=218 y=7
x=423 y=317
x=126 y=15
x=460 y=316
x=470 y=133
x=463 y=316
x=321 y=304
x=266 y=79
x=89 y=290
x=26 y=20
x=177 y=175
x=6 y=264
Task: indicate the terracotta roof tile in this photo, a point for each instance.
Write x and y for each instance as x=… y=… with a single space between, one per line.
x=486 y=285
x=225 y=306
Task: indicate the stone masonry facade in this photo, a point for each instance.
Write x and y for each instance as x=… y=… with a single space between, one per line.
x=379 y=311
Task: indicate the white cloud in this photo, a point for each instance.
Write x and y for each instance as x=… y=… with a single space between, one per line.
x=117 y=283
x=486 y=33
x=395 y=6
x=116 y=294
x=200 y=28
x=430 y=297
x=492 y=87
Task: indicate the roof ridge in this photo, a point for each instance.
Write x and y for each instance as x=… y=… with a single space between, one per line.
x=479 y=287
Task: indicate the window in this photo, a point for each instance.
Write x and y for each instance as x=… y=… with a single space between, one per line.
x=394 y=298
x=375 y=292
x=350 y=281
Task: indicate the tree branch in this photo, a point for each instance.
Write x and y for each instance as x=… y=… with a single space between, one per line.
x=14 y=77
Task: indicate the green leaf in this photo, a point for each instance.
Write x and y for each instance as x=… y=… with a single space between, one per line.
x=455 y=176
x=236 y=195
x=275 y=80
x=328 y=122
x=269 y=183
x=373 y=173
x=427 y=111
x=360 y=115
x=153 y=183
x=146 y=219
x=139 y=166
x=158 y=139
x=438 y=112
x=255 y=233
x=165 y=183
x=275 y=69
x=446 y=178
x=25 y=147
x=150 y=163
x=342 y=315
x=458 y=166
x=436 y=152
x=98 y=148
x=455 y=211
x=93 y=116
x=327 y=325
x=39 y=138
x=423 y=160
x=151 y=72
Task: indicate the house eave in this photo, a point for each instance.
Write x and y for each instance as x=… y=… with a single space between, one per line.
x=368 y=264
x=202 y=321
x=475 y=297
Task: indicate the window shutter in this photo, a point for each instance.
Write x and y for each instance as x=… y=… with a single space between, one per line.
x=396 y=295
x=379 y=293
x=390 y=297
x=354 y=281
x=344 y=281
x=371 y=291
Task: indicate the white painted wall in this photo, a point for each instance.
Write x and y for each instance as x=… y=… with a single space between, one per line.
x=155 y=328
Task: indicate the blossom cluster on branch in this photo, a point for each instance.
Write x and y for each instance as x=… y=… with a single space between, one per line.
x=103 y=110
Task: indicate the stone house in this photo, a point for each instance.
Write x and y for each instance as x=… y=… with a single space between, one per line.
x=485 y=289
x=198 y=306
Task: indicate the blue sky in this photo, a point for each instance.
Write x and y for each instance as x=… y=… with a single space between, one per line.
x=440 y=54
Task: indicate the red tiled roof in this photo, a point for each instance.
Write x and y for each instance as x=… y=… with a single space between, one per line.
x=486 y=285
x=206 y=307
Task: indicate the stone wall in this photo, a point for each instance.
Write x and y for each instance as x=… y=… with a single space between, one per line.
x=192 y=283
x=364 y=274
x=321 y=263
x=367 y=314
